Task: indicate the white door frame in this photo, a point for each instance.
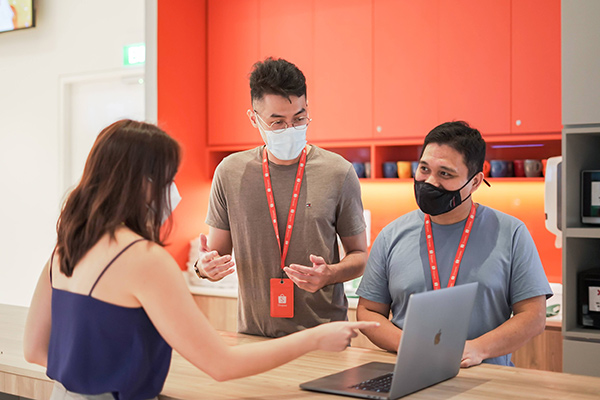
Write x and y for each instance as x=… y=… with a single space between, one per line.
x=64 y=129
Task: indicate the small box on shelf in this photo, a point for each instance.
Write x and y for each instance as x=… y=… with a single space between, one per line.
x=588 y=298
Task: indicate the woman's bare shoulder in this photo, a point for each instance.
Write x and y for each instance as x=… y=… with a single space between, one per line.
x=145 y=254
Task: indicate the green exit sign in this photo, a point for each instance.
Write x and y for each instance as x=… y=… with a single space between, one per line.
x=134 y=54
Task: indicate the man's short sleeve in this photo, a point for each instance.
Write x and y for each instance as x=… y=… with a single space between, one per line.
x=217 y=215
x=374 y=285
x=528 y=276
x=350 y=218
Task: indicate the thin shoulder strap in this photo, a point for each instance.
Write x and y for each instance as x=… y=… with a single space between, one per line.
x=51 y=261
x=112 y=261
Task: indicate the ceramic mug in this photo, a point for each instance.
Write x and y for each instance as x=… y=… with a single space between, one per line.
x=390 y=169
x=501 y=168
x=511 y=168
x=404 y=169
x=533 y=168
x=360 y=169
x=519 y=168
x=367 y=169
x=413 y=167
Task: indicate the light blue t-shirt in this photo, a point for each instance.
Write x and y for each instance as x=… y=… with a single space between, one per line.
x=500 y=255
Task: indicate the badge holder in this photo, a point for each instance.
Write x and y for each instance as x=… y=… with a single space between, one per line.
x=282 y=298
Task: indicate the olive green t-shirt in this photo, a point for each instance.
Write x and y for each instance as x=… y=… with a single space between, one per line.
x=329 y=204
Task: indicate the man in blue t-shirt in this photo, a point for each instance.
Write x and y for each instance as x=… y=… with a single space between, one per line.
x=451 y=240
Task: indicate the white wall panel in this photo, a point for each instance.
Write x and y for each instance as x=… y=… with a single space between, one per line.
x=72 y=37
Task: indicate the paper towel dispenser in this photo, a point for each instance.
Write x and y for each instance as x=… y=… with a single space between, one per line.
x=552 y=197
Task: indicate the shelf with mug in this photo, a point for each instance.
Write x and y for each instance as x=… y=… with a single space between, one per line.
x=372 y=155
x=354 y=151
x=500 y=147
x=489 y=179
x=388 y=180
x=515 y=179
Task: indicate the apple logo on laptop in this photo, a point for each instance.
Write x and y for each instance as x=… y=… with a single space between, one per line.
x=437 y=338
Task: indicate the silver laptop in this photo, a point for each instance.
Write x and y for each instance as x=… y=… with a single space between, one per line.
x=430 y=351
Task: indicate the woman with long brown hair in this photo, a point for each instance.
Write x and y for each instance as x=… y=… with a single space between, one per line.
x=111 y=302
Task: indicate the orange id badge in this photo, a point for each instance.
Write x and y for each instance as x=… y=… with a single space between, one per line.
x=282 y=298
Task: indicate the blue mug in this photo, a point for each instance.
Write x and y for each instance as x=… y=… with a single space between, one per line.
x=390 y=169
x=360 y=169
x=414 y=165
x=501 y=168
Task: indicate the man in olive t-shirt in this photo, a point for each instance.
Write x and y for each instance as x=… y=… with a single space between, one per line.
x=243 y=213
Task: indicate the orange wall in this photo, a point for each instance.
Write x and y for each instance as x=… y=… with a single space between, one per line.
x=524 y=200
x=182 y=112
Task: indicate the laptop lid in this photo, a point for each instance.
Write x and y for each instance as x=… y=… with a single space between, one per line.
x=430 y=350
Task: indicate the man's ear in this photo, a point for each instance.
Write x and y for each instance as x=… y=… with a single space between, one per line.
x=252 y=118
x=477 y=180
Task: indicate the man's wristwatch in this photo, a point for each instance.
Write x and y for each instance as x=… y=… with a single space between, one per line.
x=198 y=271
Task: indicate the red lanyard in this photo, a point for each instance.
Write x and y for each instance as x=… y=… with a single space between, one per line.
x=459 y=253
x=293 y=205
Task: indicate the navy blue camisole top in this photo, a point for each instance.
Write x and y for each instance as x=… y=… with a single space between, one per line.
x=98 y=347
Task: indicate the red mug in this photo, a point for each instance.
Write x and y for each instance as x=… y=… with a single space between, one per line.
x=519 y=168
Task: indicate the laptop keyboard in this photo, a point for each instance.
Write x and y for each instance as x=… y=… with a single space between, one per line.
x=382 y=383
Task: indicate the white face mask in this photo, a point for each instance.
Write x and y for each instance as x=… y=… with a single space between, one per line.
x=286 y=145
x=175 y=198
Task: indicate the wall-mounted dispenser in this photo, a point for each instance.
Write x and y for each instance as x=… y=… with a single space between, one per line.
x=552 y=201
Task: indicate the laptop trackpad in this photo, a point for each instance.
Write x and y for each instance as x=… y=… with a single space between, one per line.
x=342 y=381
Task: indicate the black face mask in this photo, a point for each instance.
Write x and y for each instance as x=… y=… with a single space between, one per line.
x=435 y=200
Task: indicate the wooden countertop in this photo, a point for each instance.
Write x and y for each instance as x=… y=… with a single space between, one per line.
x=186 y=382
x=202 y=288
x=231 y=293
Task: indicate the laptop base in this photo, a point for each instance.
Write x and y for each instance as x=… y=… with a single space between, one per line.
x=341 y=382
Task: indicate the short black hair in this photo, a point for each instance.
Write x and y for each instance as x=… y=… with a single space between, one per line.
x=276 y=76
x=462 y=138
